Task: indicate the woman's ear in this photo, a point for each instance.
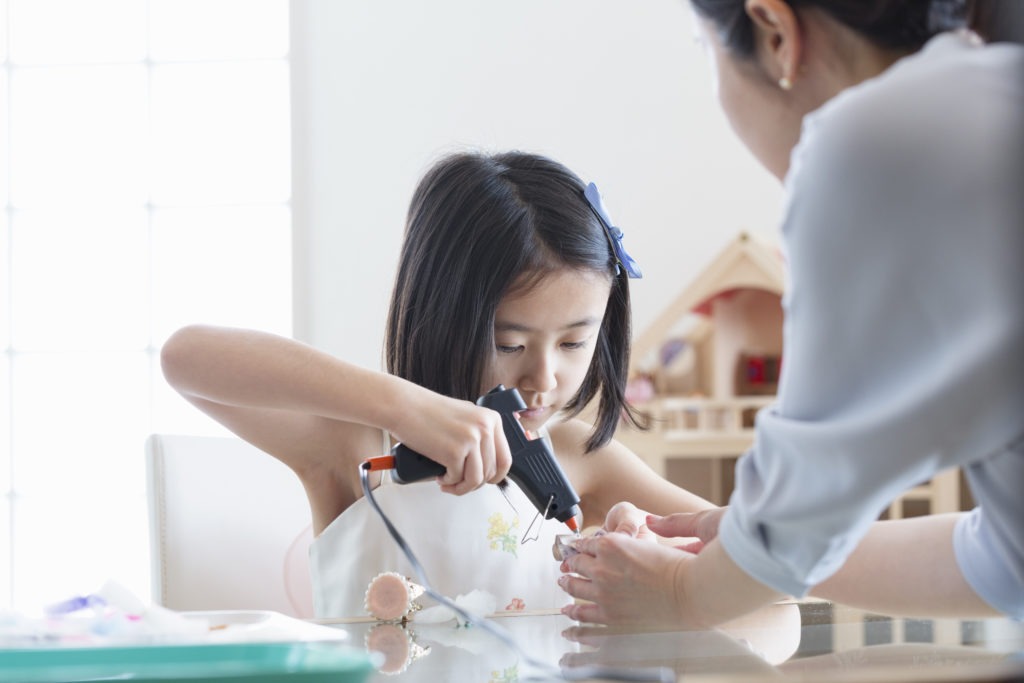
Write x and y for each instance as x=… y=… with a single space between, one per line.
x=777 y=38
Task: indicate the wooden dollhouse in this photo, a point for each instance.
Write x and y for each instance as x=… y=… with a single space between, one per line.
x=709 y=362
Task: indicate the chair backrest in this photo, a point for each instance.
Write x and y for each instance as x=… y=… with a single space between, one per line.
x=229 y=527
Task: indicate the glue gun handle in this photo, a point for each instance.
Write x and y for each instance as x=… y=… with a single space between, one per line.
x=538 y=474
x=411 y=466
x=534 y=466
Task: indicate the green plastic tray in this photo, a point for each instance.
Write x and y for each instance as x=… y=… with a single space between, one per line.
x=220 y=663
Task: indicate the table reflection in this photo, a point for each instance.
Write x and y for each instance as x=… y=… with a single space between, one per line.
x=841 y=640
x=795 y=641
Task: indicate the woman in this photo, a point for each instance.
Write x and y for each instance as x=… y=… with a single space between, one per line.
x=901 y=147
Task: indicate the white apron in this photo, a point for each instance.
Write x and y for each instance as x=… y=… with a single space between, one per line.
x=462 y=542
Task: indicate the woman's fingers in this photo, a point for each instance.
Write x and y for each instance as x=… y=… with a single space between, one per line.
x=587 y=613
x=624 y=581
x=702 y=525
x=692 y=547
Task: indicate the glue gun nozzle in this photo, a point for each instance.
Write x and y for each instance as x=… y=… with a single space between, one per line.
x=571 y=523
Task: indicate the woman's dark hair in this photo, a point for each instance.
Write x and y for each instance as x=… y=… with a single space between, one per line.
x=478 y=225
x=896 y=24
x=998 y=20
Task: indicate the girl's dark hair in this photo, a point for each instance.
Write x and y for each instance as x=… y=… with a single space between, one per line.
x=897 y=24
x=476 y=225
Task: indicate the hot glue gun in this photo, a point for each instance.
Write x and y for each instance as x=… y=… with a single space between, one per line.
x=534 y=467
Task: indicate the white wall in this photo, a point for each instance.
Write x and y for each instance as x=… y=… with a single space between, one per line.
x=616 y=89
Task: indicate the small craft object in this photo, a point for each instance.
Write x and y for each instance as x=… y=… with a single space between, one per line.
x=565 y=544
x=392 y=597
x=397 y=645
x=564 y=547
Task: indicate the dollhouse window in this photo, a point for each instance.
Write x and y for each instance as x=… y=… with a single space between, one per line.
x=757 y=374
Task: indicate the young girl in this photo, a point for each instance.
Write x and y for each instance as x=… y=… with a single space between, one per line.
x=507 y=276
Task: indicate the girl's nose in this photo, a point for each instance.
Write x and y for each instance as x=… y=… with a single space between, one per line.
x=539 y=375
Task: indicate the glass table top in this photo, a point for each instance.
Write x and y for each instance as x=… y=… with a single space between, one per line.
x=804 y=641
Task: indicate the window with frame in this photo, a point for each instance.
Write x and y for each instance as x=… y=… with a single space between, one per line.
x=146 y=184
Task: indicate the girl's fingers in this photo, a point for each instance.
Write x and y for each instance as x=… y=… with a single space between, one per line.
x=502 y=458
x=472 y=472
x=496 y=467
x=453 y=473
x=472 y=475
x=624 y=520
x=475 y=456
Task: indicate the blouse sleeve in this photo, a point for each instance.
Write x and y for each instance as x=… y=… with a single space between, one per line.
x=903 y=335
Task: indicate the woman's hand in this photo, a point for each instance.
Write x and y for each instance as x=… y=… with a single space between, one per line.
x=626 y=580
x=630 y=581
x=701 y=525
x=633 y=585
x=464 y=438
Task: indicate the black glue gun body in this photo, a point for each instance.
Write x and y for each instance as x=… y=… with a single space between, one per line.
x=534 y=467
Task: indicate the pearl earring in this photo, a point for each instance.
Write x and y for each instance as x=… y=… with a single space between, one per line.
x=785 y=83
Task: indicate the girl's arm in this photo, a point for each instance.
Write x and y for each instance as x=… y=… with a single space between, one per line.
x=614 y=473
x=322 y=416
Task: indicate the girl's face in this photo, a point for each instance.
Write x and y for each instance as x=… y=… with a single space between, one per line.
x=545 y=338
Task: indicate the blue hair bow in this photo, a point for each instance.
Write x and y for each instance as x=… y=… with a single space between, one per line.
x=622 y=258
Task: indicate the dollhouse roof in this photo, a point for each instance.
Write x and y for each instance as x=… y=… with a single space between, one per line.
x=747 y=262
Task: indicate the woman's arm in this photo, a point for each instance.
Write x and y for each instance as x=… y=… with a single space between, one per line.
x=901 y=567
x=308 y=408
x=906 y=568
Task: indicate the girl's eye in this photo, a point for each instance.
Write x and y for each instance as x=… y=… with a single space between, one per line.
x=508 y=349
x=574 y=345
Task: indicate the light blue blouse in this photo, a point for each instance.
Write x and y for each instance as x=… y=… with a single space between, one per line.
x=904 y=336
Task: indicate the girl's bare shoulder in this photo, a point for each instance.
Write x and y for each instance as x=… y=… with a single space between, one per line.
x=569 y=437
x=569 y=441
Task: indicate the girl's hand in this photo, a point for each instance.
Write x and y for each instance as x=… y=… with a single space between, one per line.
x=626 y=518
x=701 y=525
x=466 y=439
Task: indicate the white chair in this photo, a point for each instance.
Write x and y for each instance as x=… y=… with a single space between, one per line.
x=229 y=527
